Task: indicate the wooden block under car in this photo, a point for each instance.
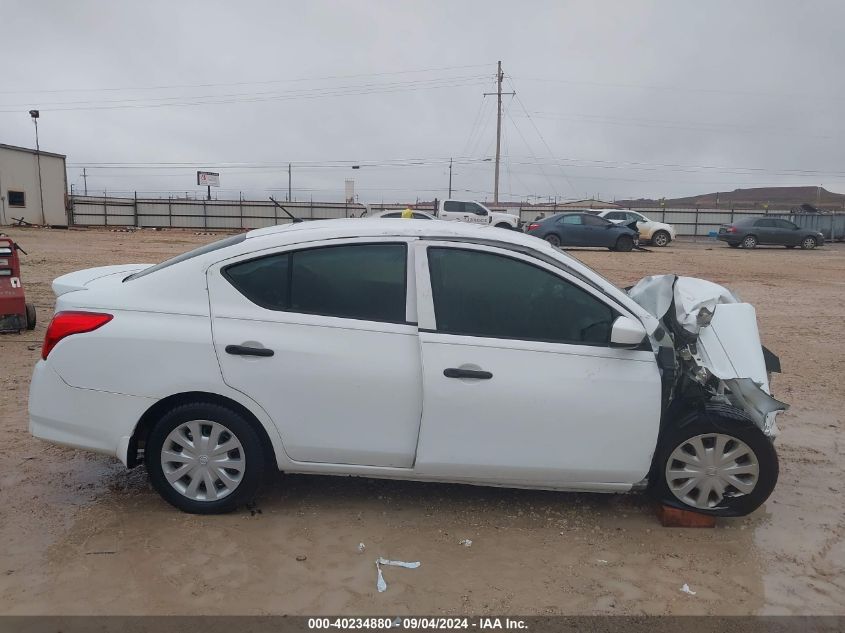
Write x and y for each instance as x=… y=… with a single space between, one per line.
x=674 y=517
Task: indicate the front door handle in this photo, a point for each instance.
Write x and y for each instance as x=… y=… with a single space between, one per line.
x=242 y=350
x=454 y=372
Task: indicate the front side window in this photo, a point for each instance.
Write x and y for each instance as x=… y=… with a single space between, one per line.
x=594 y=220
x=615 y=215
x=477 y=293
x=786 y=224
x=471 y=207
x=355 y=281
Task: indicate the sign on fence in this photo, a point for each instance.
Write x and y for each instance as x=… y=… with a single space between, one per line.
x=208 y=179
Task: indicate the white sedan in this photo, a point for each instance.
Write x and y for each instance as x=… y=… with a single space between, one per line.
x=655 y=233
x=411 y=350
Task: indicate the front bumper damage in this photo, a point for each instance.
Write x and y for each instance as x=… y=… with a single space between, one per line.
x=715 y=342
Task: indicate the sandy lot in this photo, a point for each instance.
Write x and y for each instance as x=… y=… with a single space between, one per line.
x=82 y=535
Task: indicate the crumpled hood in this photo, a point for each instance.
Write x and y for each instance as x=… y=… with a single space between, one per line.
x=716 y=338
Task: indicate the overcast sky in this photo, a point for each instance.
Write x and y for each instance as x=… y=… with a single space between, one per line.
x=613 y=99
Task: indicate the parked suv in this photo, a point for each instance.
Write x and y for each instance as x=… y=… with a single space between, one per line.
x=655 y=233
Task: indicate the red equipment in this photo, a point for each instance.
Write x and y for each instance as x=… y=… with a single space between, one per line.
x=15 y=313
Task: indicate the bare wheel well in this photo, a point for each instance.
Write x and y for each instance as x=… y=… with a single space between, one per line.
x=154 y=414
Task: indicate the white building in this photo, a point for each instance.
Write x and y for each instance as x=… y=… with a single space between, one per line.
x=20 y=194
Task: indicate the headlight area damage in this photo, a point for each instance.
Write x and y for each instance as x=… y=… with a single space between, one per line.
x=715 y=344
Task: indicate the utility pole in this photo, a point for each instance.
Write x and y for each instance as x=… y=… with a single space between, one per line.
x=85 y=179
x=450 y=177
x=499 y=77
x=35 y=114
x=290 y=191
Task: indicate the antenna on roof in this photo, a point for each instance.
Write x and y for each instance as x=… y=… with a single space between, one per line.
x=289 y=214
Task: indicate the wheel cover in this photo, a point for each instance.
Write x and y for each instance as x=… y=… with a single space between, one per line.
x=660 y=239
x=750 y=241
x=705 y=469
x=552 y=239
x=809 y=242
x=203 y=460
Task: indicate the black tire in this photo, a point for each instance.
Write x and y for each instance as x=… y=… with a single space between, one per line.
x=503 y=225
x=625 y=244
x=749 y=241
x=30 y=316
x=254 y=457
x=809 y=243
x=661 y=238
x=724 y=420
x=552 y=239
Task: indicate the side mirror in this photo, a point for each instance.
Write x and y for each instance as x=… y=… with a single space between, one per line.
x=626 y=332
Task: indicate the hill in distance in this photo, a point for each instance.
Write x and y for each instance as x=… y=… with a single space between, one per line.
x=757 y=197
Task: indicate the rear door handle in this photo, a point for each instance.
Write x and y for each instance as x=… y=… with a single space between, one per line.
x=454 y=372
x=242 y=350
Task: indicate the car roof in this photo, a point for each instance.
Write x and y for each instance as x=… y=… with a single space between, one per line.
x=292 y=233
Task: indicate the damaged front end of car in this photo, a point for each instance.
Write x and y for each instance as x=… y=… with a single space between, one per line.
x=708 y=347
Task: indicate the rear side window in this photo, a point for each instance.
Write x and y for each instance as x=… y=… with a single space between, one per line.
x=485 y=294
x=202 y=250
x=570 y=219
x=355 y=281
x=453 y=205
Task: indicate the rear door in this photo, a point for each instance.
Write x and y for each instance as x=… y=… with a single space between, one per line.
x=520 y=383
x=323 y=339
x=570 y=228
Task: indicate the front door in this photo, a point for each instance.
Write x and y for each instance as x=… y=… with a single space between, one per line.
x=520 y=384
x=320 y=338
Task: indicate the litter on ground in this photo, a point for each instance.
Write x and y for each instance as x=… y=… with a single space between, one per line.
x=381 y=585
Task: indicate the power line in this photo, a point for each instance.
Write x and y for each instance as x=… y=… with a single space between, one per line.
x=243 y=83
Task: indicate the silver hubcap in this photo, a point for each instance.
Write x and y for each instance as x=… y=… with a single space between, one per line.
x=660 y=239
x=705 y=469
x=203 y=460
x=809 y=242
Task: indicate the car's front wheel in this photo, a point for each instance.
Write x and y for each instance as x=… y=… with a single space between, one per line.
x=552 y=239
x=625 y=244
x=660 y=238
x=808 y=243
x=716 y=462
x=204 y=458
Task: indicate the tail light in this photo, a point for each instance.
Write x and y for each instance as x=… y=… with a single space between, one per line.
x=731 y=229
x=66 y=323
x=533 y=226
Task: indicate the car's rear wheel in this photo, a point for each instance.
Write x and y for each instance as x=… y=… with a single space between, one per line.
x=808 y=243
x=625 y=243
x=749 y=241
x=552 y=239
x=716 y=462
x=204 y=458
x=661 y=238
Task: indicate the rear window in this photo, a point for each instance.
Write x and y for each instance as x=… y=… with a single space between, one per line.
x=202 y=250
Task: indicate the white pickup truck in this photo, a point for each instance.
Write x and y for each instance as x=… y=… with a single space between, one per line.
x=476 y=213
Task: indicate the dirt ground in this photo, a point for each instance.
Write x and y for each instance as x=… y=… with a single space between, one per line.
x=82 y=535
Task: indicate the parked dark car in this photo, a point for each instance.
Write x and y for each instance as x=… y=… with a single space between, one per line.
x=584 y=229
x=749 y=232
